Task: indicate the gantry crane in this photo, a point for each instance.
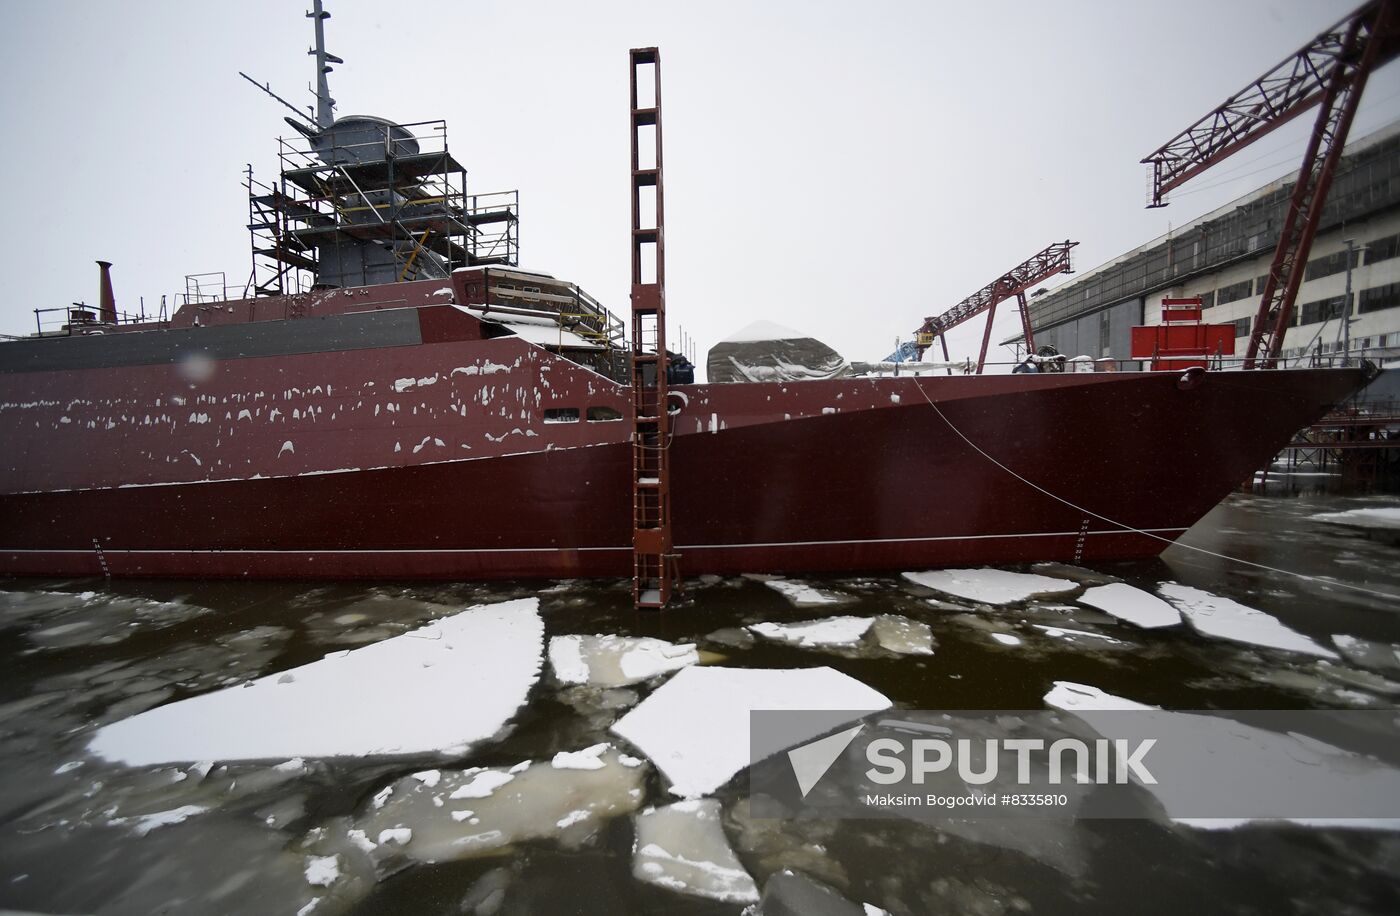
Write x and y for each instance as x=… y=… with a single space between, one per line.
x=1015 y=282
x=1330 y=71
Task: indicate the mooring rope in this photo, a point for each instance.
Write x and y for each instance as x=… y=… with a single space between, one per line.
x=1129 y=528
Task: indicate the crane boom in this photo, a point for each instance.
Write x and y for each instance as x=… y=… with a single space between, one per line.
x=1038 y=268
x=1331 y=72
x=1283 y=93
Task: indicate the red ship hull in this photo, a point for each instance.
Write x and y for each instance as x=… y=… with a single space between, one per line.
x=434 y=457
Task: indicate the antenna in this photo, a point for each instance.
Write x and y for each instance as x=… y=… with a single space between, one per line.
x=325 y=105
x=265 y=87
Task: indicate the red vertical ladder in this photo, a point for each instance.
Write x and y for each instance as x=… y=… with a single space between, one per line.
x=653 y=557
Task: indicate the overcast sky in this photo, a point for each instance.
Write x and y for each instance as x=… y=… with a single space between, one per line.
x=843 y=169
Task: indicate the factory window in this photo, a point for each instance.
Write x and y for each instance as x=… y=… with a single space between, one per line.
x=603 y=414
x=1323 y=309
x=1327 y=265
x=1382 y=249
x=1259 y=284
x=1379 y=297
x=1235 y=291
x=1207 y=299
x=561 y=415
x=1242 y=326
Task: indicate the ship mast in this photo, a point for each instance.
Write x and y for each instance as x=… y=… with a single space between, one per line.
x=325 y=105
x=363 y=200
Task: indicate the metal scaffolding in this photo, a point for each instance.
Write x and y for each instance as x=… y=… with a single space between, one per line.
x=373 y=202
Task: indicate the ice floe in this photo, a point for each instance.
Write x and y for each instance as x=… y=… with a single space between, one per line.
x=1072 y=697
x=1368 y=654
x=683 y=847
x=1006 y=639
x=1362 y=518
x=1069 y=635
x=1251 y=764
x=901 y=635
x=803 y=595
x=695 y=727
x=590 y=758
x=990 y=586
x=145 y=823
x=831 y=631
x=1213 y=615
x=452 y=682
x=1132 y=605
x=789 y=893
x=322 y=870
x=479 y=811
x=863 y=636
x=68 y=620
x=616 y=661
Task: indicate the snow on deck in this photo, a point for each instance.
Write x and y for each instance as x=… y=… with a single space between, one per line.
x=695 y=727
x=1213 y=615
x=1132 y=605
x=990 y=586
x=452 y=682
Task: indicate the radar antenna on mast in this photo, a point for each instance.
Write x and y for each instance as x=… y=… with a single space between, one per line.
x=324 y=111
x=325 y=105
x=265 y=87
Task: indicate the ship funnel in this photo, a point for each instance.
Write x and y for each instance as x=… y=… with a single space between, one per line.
x=107 y=307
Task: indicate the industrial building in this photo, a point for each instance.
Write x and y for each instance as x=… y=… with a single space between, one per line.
x=1224 y=257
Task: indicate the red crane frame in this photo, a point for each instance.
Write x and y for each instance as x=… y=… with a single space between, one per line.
x=1054 y=259
x=1329 y=71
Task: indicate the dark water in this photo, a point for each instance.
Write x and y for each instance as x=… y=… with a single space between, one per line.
x=80 y=654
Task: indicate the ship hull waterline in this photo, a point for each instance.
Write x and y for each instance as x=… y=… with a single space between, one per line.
x=1108 y=469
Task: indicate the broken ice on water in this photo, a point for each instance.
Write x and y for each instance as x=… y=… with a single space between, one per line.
x=888 y=632
x=803 y=595
x=440 y=815
x=990 y=586
x=1213 y=615
x=682 y=847
x=616 y=661
x=1373 y=518
x=1245 y=761
x=64 y=620
x=83 y=794
x=1132 y=605
x=121 y=688
x=1368 y=654
x=378 y=616
x=1082 y=637
x=695 y=727
x=455 y=681
x=831 y=631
